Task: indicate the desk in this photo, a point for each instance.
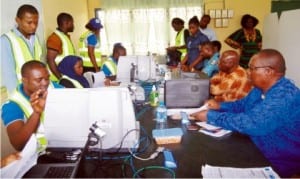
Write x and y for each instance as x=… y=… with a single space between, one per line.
x=195 y=150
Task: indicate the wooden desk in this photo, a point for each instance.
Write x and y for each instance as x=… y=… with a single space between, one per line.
x=195 y=150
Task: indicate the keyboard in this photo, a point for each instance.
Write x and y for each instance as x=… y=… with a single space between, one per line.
x=59 y=172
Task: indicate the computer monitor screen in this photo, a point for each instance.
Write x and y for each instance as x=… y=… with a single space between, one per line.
x=69 y=113
x=146 y=68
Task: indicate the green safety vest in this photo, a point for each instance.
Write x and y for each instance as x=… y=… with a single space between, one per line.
x=25 y=105
x=74 y=82
x=83 y=51
x=111 y=65
x=179 y=41
x=67 y=49
x=21 y=51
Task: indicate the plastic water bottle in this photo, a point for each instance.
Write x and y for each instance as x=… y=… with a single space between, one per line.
x=161 y=116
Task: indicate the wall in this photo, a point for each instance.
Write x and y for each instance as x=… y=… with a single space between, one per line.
x=78 y=10
x=257 y=8
x=286 y=40
x=92 y=5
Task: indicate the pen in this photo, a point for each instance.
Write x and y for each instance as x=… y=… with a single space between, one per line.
x=211 y=131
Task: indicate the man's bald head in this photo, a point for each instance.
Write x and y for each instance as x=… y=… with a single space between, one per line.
x=229 y=61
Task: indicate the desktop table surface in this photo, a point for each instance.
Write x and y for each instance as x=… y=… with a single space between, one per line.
x=194 y=151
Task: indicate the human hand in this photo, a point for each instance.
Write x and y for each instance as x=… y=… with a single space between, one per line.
x=171 y=48
x=185 y=68
x=107 y=82
x=10 y=158
x=38 y=100
x=212 y=104
x=200 y=116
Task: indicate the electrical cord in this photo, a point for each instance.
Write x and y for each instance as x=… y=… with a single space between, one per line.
x=152 y=156
x=154 y=167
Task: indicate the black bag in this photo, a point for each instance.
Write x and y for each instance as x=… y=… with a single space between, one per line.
x=175 y=57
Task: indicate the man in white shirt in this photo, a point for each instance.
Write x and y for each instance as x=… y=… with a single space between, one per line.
x=210 y=33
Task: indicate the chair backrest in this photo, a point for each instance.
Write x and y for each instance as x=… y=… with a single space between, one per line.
x=95 y=79
x=90 y=78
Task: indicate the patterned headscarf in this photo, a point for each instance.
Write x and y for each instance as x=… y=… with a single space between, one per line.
x=66 y=67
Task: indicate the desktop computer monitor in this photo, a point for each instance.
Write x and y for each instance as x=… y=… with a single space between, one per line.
x=146 y=68
x=69 y=114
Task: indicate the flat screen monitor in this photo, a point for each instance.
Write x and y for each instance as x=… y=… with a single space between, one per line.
x=146 y=68
x=69 y=114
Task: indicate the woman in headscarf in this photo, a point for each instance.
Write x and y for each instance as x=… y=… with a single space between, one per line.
x=71 y=68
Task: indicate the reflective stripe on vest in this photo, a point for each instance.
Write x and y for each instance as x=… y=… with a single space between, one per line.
x=67 y=46
x=24 y=104
x=74 y=82
x=179 y=41
x=21 y=51
x=111 y=65
x=83 y=51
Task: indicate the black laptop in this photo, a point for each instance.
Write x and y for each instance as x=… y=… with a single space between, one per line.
x=189 y=91
x=56 y=164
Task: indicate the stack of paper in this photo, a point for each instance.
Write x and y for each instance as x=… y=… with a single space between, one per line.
x=212 y=130
x=228 y=172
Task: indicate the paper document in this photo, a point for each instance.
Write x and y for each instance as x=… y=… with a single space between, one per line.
x=18 y=168
x=99 y=78
x=229 y=172
x=212 y=130
x=187 y=110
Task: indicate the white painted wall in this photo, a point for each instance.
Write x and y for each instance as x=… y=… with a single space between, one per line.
x=283 y=34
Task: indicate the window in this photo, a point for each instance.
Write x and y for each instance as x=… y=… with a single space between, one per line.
x=142 y=30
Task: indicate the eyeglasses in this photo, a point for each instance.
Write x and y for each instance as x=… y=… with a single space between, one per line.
x=252 y=68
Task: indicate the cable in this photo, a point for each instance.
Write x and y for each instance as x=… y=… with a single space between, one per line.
x=148 y=141
x=155 y=167
x=152 y=156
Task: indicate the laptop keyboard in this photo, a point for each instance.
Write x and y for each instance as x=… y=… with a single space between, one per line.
x=59 y=172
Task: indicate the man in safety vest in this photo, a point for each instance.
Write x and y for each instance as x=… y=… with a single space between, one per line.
x=89 y=46
x=59 y=44
x=109 y=67
x=22 y=114
x=19 y=45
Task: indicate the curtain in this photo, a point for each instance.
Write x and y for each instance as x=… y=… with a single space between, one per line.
x=136 y=4
x=142 y=26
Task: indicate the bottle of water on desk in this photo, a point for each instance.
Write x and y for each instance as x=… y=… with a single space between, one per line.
x=161 y=116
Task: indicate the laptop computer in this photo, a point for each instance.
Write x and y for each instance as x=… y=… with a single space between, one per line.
x=188 y=91
x=56 y=164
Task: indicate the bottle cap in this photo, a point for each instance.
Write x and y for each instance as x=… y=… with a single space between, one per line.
x=153 y=88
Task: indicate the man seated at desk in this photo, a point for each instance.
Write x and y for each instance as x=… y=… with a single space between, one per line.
x=269 y=114
x=22 y=114
x=109 y=67
x=231 y=82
